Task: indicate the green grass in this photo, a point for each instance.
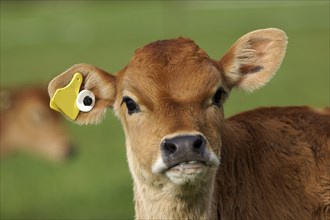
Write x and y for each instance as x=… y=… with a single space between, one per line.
x=41 y=39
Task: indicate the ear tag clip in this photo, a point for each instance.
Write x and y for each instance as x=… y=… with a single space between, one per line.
x=85 y=100
x=64 y=99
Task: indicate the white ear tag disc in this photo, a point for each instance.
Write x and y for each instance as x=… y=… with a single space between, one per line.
x=85 y=100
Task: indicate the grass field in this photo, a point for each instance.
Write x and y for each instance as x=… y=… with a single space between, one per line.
x=41 y=39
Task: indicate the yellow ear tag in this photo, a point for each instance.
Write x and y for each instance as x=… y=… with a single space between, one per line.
x=64 y=99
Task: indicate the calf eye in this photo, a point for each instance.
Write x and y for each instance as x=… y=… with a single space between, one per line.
x=218 y=97
x=132 y=107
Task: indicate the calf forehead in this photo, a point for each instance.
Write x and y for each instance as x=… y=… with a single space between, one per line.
x=171 y=68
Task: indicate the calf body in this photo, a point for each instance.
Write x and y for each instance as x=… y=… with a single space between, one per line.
x=275 y=165
x=186 y=159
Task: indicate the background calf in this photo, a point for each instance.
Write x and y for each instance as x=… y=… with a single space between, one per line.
x=29 y=125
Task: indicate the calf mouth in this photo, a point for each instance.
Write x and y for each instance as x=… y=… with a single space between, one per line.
x=186 y=170
x=187 y=167
x=184 y=164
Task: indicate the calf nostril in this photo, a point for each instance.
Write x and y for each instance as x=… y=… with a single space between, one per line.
x=170 y=148
x=198 y=144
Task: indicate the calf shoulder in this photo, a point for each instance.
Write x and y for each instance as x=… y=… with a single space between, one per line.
x=275 y=164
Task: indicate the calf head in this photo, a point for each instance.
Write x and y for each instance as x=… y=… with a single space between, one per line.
x=27 y=124
x=170 y=99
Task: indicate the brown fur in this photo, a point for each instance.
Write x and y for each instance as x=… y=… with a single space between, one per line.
x=29 y=125
x=274 y=161
x=275 y=165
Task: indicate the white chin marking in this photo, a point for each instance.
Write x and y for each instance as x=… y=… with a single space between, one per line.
x=214 y=161
x=159 y=166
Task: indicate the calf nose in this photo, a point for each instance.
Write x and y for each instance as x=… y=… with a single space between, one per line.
x=71 y=151
x=183 y=148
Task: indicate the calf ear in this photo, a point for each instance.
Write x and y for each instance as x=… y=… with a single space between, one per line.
x=254 y=59
x=99 y=82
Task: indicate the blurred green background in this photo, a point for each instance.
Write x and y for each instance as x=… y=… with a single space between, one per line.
x=40 y=39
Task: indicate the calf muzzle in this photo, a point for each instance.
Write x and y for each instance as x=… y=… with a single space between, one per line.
x=184 y=148
x=71 y=152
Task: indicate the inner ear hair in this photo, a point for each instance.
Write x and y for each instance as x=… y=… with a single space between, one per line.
x=64 y=78
x=254 y=59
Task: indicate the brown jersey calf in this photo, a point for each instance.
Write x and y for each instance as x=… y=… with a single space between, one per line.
x=28 y=124
x=187 y=160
